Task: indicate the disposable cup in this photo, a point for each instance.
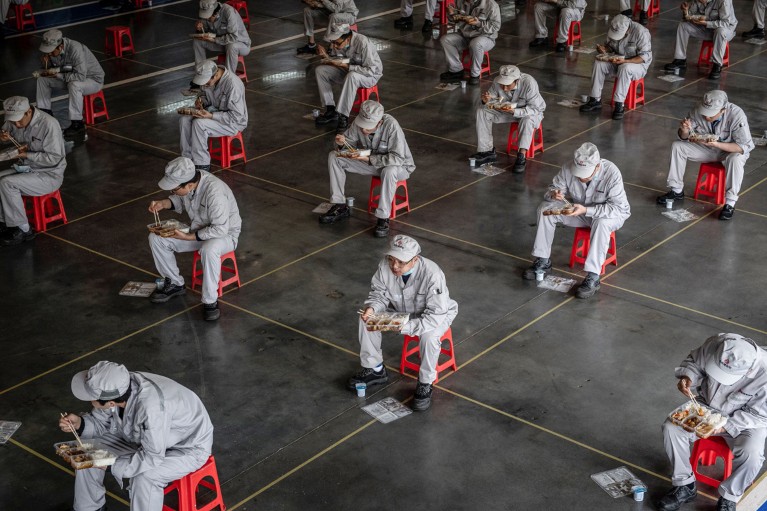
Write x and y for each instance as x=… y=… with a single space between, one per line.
x=350 y=202
x=669 y=203
x=463 y=84
x=472 y=162
x=361 y=388
x=639 y=492
x=585 y=98
x=539 y=275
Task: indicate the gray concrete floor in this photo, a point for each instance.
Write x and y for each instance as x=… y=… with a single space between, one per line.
x=549 y=389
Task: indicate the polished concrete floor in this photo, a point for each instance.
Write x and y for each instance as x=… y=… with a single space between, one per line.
x=549 y=389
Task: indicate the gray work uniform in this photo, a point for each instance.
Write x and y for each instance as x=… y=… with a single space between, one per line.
x=46 y=159
x=232 y=38
x=529 y=113
x=567 y=10
x=5 y=5
x=636 y=43
x=86 y=77
x=477 y=39
x=164 y=433
x=425 y=297
x=758 y=13
x=628 y=5
x=732 y=127
x=215 y=218
x=365 y=69
x=390 y=159
x=720 y=27
x=745 y=405
x=406 y=9
x=226 y=101
x=607 y=207
x=337 y=11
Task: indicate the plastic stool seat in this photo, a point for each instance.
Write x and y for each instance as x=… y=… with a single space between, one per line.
x=40 y=209
x=363 y=94
x=115 y=43
x=89 y=107
x=400 y=201
x=241 y=73
x=484 y=68
x=654 y=9
x=407 y=351
x=21 y=11
x=188 y=486
x=580 y=249
x=635 y=94
x=222 y=283
x=707 y=51
x=240 y=6
x=705 y=452
x=535 y=145
x=712 y=181
x=222 y=150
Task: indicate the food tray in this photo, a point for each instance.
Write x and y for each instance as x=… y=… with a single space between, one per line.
x=91 y=455
x=353 y=154
x=497 y=105
x=189 y=111
x=51 y=71
x=208 y=36
x=607 y=57
x=10 y=154
x=558 y=211
x=386 y=321
x=703 y=137
x=695 y=17
x=462 y=17
x=341 y=60
x=167 y=228
x=701 y=420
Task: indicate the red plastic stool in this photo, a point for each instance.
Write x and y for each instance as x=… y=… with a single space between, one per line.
x=707 y=50
x=240 y=6
x=535 y=145
x=484 y=68
x=581 y=248
x=89 y=107
x=404 y=363
x=654 y=9
x=40 y=210
x=399 y=201
x=188 y=486
x=364 y=95
x=241 y=73
x=140 y=3
x=223 y=153
x=114 y=41
x=712 y=180
x=235 y=278
x=353 y=28
x=572 y=34
x=635 y=95
x=705 y=452
x=441 y=10
x=20 y=12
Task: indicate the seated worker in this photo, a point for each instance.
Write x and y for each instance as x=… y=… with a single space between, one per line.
x=406 y=13
x=228 y=34
x=224 y=112
x=40 y=170
x=406 y=282
x=158 y=428
x=389 y=159
x=729 y=373
x=214 y=230
x=627 y=10
x=5 y=5
x=477 y=33
x=632 y=41
x=363 y=70
x=758 y=14
x=78 y=72
x=599 y=202
x=338 y=12
x=719 y=24
x=714 y=115
x=567 y=11
x=510 y=86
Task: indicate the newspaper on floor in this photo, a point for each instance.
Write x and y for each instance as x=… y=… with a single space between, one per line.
x=581 y=49
x=488 y=170
x=138 y=289
x=671 y=78
x=323 y=208
x=555 y=283
x=762 y=141
x=7 y=429
x=570 y=103
x=617 y=482
x=447 y=86
x=387 y=410
x=756 y=41
x=680 y=215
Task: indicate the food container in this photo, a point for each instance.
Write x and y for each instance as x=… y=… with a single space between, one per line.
x=207 y=36
x=605 y=57
x=46 y=72
x=386 y=321
x=703 y=137
x=558 y=211
x=340 y=60
x=167 y=228
x=499 y=105
x=89 y=456
x=348 y=153
x=186 y=110
x=695 y=17
x=701 y=419
x=10 y=154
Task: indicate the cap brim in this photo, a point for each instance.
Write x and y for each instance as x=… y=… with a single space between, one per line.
x=716 y=372
x=79 y=389
x=167 y=183
x=708 y=111
x=47 y=48
x=616 y=35
x=13 y=117
x=365 y=125
x=332 y=36
x=206 y=14
x=504 y=80
x=201 y=79
x=582 y=172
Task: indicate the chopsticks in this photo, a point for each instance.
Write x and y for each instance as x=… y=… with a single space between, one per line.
x=10 y=137
x=74 y=431
x=156 y=218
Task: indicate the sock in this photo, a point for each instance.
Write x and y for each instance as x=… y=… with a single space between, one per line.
x=24 y=227
x=311 y=45
x=378 y=368
x=592 y=274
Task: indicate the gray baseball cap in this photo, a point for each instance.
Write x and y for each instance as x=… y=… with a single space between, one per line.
x=15 y=107
x=105 y=380
x=204 y=72
x=586 y=157
x=207 y=8
x=619 y=25
x=734 y=358
x=51 y=40
x=337 y=30
x=177 y=172
x=507 y=75
x=371 y=112
x=403 y=248
x=712 y=103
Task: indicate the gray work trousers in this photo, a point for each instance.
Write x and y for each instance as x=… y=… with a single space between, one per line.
x=566 y=16
x=328 y=75
x=46 y=84
x=232 y=52
x=146 y=490
x=454 y=44
x=163 y=252
x=6 y=4
x=682 y=151
x=487 y=117
x=747 y=448
x=338 y=167
x=720 y=36
x=758 y=12
x=406 y=8
x=627 y=5
x=599 y=240
x=13 y=185
x=334 y=18
x=194 y=137
x=625 y=74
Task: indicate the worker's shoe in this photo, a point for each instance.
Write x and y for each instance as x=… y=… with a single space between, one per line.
x=483 y=157
x=725 y=505
x=422 y=397
x=474 y=80
x=210 y=311
x=168 y=291
x=754 y=33
x=726 y=213
x=676 y=64
x=449 y=76
x=588 y=287
x=519 y=165
x=540 y=264
x=382 y=228
x=336 y=213
x=330 y=116
x=76 y=130
x=538 y=41
x=369 y=377
x=678 y=495
x=342 y=124
x=3 y=227
x=627 y=13
x=427 y=26
x=307 y=49
x=591 y=105
x=404 y=22
x=716 y=72
x=670 y=195
x=643 y=18
x=559 y=48
x=14 y=236
x=618 y=111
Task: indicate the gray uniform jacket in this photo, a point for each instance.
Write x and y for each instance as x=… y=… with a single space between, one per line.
x=388 y=145
x=83 y=62
x=744 y=402
x=227 y=98
x=732 y=126
x=228 y=27
x=211 y=208
x=341 y=6
x=363 y=56
x=604 y=197
x=45 y=143
x=487 y=11
x=425 y=296
x=527 y=97
x=636 y=43
x=718 y=13
x=160 y=415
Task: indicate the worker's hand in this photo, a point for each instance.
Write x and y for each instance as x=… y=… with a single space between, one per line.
x=22 y=152
x=45 y=59
x=507 y=108
x=322 y=51
x=485 y=97
x=473 y=21
x=340 y=139
x=365 y=315
x=684 y=386
x=186 y=236
x=451 y=9
x=198 y=103
x=702 y=23
x=685 y=125
x=340 y=65
x=198 y=26
x=76 y=421
x=366 y=159
x=557 y=195
x=4 y=136
x=684 y=7
x=578 y=210
x=617 y=60
x=716 y=144
x=158 y=205
x=203 y=114
x=601 y=49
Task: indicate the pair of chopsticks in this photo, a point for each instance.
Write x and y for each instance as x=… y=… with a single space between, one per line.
x=694 y=401
x=10 y=137
x=157 y=218
x=74 y=431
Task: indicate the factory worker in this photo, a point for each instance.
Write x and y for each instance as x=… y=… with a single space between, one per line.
x=159 y=430
x=40 y=169
x=228 y=34
x=363 y=71
x=406 y=282
x=477 y=34
x=338 y=12
x=224 y=114
x=390 y=159
x=595 y=187
x=79 y=73
x=406 y=15
x=627 y=10
x=713 y=115
x=632 y=41
x=509 y=87
x=4 y=6
x=758 y=14
x=729 y=374
x=214 y=231
x=566 y=11
x=719 y=24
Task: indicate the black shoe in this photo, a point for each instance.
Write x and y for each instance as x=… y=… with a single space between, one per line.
x=670 y=195
x=449 y=76
x=369 y=377
x=678 y=495
x=194 y=86
x=716 y=72
x=328 y=117
x=382 y=228
x=540 y=264
x=538 y=41
x=308 y=49
x=76 y=129
x=726 y=213
x=754 y=33
x=618 y=111
x=643 y=18
x=560 y=48
x=14 y=236
x=343 y=123
x=206 y=168
x=593 y=104
x=519 y=165
x=588 y=287
x=336 y=213
x=484 y=157
x=422 y=398
x=676 y=64
x=168 y=291
x=427 y=26
x=725 y=505
x=474 y=80
x=404 y=22
x=210 y=311
x=627 y=13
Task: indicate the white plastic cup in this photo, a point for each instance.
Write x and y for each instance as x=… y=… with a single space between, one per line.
x=669 y=203
x=463 y=84
x=435 y=33
x=570 y=47
x=159 y=282
x=350 y=202
x=539 y=275
x=361 y=388
x=585 y=98
x=639 y=492
x=472 y=162
x=676 y=71
x=315 y=113
x=607 y=17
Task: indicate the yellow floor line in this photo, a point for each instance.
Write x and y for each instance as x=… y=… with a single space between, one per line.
x=93 y=128
x=96 y=252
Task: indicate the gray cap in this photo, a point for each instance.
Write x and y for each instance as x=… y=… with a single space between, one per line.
x=51 y=40
x=15 y=107
x=204 y=72
x=105 y=380
x=507 y=75
x=177 y=172
x=734 y=358
x=586 y=157
x=713 y=102
x=207 y=8
x=403 y=248
x=619 y=25
x=371 y=112
x=337 y=30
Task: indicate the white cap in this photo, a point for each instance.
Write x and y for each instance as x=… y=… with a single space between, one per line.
x=371 y=113
x=507 y=75
x=177 y=172
x=403 y=248
x=106 y=381
x=734 y=358
x=586 y=157
x=51 y=40
x=15 y=107
x=204 y=72
x=207 y=8
x=619 y=25
x=713 y=102
x=337 y=30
